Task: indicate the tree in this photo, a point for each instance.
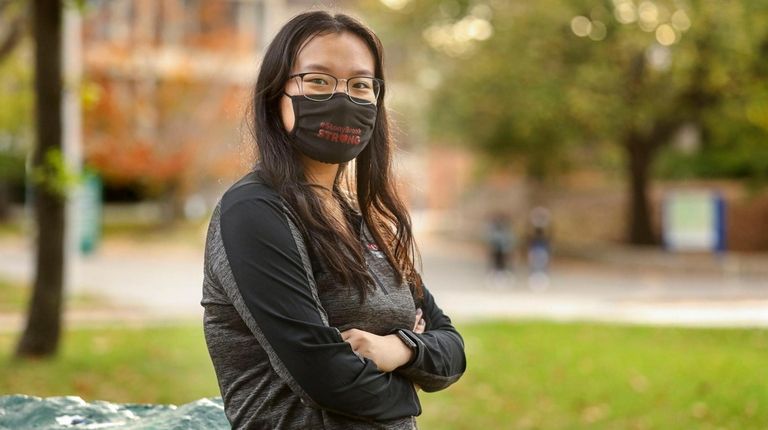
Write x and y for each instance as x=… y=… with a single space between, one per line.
x=43 y=327
x=654 y=78
x=665 y=68
x=554 y=77
x=731 y=69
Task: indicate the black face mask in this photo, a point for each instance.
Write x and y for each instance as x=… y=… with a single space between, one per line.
x=332 y=131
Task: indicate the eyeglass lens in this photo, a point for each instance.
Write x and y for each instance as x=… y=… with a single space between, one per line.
x=320 y=87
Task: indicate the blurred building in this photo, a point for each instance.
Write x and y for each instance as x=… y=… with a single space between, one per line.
x=166 y=84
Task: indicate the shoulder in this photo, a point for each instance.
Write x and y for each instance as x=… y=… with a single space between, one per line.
x=250 y=208
x=256 y=228
x=252 y=193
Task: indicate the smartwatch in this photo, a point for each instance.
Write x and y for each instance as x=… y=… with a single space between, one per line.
x=410 y=344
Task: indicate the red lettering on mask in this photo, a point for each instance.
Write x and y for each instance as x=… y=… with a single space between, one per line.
x=336 y=133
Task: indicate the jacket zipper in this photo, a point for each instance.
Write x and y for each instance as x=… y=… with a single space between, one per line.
x=371 y=271
x=378 y=281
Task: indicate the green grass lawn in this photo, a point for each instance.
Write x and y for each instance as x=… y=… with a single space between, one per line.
x=13 y=296
x=521 y=375
x=157 y=365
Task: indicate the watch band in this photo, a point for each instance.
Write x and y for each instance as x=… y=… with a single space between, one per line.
x=410 y=343
x=407 y=340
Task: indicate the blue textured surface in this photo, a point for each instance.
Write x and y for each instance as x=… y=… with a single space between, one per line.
x=20 y=412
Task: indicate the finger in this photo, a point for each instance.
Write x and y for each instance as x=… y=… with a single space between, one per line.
x=352 y=332
x=418 y=317
x=420 y=326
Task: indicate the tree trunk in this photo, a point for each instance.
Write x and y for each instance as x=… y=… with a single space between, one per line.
x=639 y=158
x=43 y=328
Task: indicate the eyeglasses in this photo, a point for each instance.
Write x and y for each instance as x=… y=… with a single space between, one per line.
x=319 y=87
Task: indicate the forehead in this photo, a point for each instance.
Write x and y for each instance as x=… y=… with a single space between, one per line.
x=341 y=54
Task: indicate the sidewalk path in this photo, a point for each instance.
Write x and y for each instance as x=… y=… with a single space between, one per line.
x=591 y=290
x=164 y=281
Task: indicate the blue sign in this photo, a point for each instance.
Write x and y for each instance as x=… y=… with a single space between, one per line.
x=694 y=221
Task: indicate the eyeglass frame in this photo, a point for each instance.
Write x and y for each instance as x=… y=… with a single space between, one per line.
x=346 y=86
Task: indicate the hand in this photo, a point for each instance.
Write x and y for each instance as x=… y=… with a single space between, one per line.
x=387 y=352
x=420 y=325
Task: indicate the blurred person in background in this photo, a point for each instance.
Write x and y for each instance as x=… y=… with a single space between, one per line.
x=315 y=316
x=539 y=248
x=501 y=245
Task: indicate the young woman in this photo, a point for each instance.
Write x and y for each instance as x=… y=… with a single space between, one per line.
x=315 y=317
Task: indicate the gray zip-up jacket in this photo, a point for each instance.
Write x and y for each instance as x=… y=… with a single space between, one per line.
x=274 y=338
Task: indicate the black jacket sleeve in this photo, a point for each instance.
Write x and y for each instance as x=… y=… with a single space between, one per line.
x=291 y=325
x=439 y=360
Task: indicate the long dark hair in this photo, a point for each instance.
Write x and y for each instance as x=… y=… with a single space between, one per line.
x=374 y=186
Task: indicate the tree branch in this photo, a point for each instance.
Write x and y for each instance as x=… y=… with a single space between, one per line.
x=12 y=38
x=15 y=29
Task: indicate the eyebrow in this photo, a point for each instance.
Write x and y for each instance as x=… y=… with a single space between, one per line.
x=321 y=68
